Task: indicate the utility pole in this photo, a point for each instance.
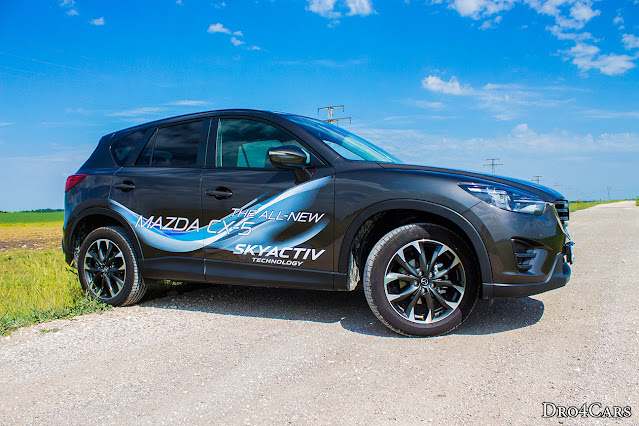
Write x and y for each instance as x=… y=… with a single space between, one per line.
x=492 y=164
x=331 y=118
x=536 y=178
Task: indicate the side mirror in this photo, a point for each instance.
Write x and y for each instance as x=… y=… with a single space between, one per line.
x=288 y=157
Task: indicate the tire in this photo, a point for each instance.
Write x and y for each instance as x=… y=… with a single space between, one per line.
x=108 y=268
x=417 y=295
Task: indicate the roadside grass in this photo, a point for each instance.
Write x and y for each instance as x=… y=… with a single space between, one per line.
x=23 y=218
x=580 y=205
x=38 y=286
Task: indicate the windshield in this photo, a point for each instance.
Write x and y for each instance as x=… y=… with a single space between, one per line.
x=345 y=143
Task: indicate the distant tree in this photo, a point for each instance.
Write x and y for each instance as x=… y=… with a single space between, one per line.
x=44 y=211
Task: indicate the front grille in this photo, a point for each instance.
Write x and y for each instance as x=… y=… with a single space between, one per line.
x=524 y=254
x=563 y=209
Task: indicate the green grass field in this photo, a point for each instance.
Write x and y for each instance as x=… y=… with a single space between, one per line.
x=23 y=218
x=580 y=205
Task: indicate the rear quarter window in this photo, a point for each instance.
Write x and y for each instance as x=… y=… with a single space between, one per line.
x=121 y=149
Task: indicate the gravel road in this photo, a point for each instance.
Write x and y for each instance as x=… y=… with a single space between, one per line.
x=238 y=355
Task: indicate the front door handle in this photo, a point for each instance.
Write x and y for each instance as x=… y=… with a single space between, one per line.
x=219 y=193
x=126 y=186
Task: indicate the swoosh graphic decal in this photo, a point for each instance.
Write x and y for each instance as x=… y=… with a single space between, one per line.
x=219 y=235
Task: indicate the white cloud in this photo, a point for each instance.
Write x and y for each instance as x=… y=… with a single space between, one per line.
x=429 y=104
x=218 y=28
x=328 y=63
x=219 y=5
x=570 y=17
x=503 y=101
x=236 y=42
x=98 y=21
x=522 y=138
x=588 y=57
x=326 y=8
x=6 y=124
x=583 y=12
x=451 y=87
x=476 y=9
x=323 y=8
x=603 y=114
x=69 y=4
x=359 y=7
x=179 y=2
x=187 y=102
x=630 y=41
x=137 y=112
x=558 y=32
x=486 y=25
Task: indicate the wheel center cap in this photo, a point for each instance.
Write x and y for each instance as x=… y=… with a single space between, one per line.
x=423 y=281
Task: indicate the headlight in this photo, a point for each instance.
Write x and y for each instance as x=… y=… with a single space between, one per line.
x=506 y=198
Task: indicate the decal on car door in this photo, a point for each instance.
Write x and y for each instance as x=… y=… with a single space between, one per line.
x=247 y=230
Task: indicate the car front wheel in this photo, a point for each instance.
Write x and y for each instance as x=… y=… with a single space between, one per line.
x=421 y=280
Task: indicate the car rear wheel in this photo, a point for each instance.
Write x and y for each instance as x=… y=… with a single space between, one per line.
x=108 y=268
x=421 y=280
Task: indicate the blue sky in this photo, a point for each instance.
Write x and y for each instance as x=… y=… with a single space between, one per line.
x=549 y=87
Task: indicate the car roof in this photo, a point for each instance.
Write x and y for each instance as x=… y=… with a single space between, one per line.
x=204 y=114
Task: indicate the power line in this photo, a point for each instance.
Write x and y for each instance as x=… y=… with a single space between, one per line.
x=35 y=79
x=104 y=61
x=331 y=118
x=50 y=63
x=492 y=164
x=39 y=73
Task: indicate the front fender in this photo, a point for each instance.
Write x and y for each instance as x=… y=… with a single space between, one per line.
x=422 y=206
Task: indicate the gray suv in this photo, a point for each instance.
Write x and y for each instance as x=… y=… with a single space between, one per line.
x=267 y=199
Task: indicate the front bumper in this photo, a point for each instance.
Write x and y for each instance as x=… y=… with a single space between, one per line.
x=559 y=277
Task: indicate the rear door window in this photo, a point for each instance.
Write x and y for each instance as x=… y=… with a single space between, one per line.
x=173 y=146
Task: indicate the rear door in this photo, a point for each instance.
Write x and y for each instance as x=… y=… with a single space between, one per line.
x=159 y=195
x=265 y=226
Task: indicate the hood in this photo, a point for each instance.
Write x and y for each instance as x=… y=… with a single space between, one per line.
x=543 y=192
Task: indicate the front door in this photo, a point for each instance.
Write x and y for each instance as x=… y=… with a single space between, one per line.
x=265 y=226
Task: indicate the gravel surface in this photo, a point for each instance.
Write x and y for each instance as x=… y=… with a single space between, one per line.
x=239 y=355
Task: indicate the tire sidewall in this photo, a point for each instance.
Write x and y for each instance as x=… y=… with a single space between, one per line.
x=376 y=270
x=130 y=261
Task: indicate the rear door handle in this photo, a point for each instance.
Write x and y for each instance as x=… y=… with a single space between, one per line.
x=219 y=193
x=125 y=186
